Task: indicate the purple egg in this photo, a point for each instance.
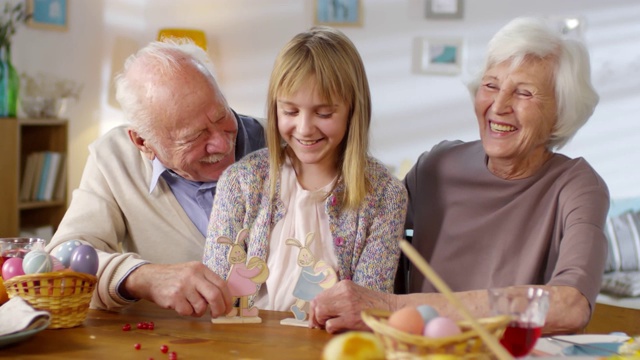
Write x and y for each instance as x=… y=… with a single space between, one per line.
x=12 y=267
x=84 y=259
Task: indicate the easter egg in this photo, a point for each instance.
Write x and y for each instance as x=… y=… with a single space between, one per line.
x=64 y=251
x=427 y=313
x=57 y=264
x=12 y=267
x=353 y=345
x=37 y=262
x=440 y=327
x=407 y=319
x=84 y=259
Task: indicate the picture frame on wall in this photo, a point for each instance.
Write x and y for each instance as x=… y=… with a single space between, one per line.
x=444 y=9
x=48 y=14
x=338 y=12
x=438 y=56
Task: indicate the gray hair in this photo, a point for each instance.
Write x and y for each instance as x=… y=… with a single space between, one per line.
x=533 y=37
x=138 y=81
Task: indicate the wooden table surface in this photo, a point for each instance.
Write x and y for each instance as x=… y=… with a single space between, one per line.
x=101 y=337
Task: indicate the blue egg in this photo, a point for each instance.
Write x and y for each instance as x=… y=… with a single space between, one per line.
x=85 y=260
x=427 y=313
x=64 y=251
x=37 y=262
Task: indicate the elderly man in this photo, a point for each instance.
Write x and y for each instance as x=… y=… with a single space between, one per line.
x=147 y=189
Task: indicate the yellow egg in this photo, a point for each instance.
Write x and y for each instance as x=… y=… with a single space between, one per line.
x=354 y=345
x=407 y=319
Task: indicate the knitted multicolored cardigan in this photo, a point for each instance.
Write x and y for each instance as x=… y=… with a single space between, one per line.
x=365 y=241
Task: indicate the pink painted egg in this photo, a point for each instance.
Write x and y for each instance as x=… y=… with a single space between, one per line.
x=12 y=267
x=57 y=264
x=440 y=327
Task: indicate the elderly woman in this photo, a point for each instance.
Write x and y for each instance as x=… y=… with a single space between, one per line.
x=506 y=210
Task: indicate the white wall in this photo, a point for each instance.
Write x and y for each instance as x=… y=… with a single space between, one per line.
x=412 y=112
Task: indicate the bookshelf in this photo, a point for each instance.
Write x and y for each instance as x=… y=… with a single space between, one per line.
x=20 y=138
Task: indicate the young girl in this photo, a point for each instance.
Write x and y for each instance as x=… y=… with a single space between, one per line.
x=315 y=203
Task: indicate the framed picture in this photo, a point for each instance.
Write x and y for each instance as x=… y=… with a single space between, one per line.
x=338 y=12
x=437 y=56
x=48 y=14
x=444 y=9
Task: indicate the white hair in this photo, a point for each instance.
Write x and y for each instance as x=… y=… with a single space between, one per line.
x=135 y=84
x=527 y=37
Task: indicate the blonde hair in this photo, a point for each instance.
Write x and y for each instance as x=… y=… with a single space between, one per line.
x=330 y=56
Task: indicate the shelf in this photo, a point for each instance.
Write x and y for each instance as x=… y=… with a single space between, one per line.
x=40 y=204
x=41 y=121
x=20 y=137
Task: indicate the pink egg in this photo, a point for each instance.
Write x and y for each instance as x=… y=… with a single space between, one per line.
x=57 y=264
x=12 y=267
x=441 y=327
x=407 y=319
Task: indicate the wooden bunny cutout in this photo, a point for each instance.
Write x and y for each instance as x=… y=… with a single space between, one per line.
x=314 y=277
x=243 y=278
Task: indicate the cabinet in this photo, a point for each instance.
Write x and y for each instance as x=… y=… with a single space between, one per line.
x=18 y=139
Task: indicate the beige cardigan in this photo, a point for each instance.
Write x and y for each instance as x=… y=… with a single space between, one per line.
x=113 y=206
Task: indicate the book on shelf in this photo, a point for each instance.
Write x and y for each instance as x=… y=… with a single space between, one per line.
x=37 y=175
x=44 y=176
x=52 y=175
x=28 y=177
x=61 y=182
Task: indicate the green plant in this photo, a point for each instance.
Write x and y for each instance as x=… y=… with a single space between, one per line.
x=13 y=14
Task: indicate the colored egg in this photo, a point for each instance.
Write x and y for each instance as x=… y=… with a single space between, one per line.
x=84 y=259
x=407 y=319
x=12 y=267
x=57 y=264
x=64 y=251
x=427 y=313
x=440 y=327
x=37 y=262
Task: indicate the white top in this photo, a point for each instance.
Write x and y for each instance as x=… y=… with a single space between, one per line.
x=305 y=214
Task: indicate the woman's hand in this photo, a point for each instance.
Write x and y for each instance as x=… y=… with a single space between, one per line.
x=338 y=308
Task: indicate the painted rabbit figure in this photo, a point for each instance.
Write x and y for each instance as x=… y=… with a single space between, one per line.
x=314 y=277
x=243 y=276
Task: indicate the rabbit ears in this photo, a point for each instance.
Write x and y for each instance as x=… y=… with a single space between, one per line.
x=240 y=238
x=295 y=242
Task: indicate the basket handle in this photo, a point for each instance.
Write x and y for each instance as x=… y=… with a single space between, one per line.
x=430 y=274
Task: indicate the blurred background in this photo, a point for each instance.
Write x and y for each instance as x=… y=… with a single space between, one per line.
x=413 y=109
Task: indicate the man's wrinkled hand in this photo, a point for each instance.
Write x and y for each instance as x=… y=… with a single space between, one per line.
x=188 y=288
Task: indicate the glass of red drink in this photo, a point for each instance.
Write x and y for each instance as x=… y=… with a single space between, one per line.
x=528 y=307
x=19 y=246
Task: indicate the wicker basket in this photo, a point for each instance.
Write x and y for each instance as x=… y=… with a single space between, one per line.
x=402 y=345
x=65 y=294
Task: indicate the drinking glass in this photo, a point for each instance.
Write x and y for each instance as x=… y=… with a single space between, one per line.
x=528 y=307
x=18 y=247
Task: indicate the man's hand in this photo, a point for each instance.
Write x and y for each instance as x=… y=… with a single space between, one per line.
x=338 y=308
x=188 y=288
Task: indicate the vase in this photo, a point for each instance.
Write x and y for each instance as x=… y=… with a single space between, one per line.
x=9 y=85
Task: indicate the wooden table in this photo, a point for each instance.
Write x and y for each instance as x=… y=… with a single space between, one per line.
x=101 y=337
x=609 y=318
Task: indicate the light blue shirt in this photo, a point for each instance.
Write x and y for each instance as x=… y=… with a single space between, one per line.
x=195 y=197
